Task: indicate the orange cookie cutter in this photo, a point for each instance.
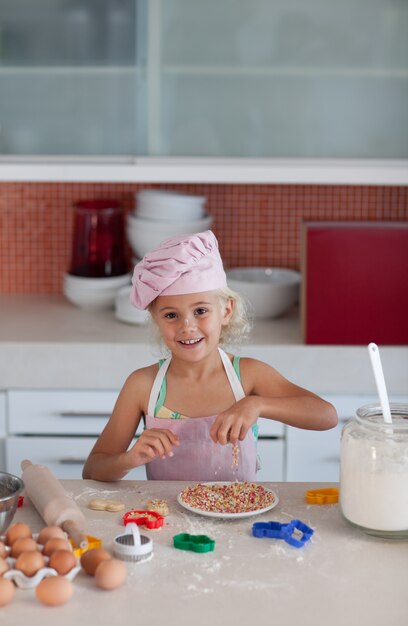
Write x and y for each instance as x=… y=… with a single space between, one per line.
x=93 y=542
x=328 y=495
x=150 y=519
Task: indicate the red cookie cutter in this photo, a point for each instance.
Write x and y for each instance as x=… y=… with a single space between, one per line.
x=149 y=519
x=20 y=501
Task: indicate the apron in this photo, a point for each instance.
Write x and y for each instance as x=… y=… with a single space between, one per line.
x=197 y=457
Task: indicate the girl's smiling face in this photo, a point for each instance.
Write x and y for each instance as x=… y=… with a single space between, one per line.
x=190 y=325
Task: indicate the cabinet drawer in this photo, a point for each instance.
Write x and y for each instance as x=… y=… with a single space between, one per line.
x=270 y=428
x=60 y=412
x=64 y=456
x=271 y=455
x=2 y=414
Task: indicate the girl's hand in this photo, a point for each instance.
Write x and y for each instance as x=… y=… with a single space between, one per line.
x=152 y=443
x=233 y=424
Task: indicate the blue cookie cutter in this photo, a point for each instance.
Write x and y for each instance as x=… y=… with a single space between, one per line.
x=288 y=532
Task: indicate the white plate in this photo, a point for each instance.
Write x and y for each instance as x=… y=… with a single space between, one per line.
x=228 y=515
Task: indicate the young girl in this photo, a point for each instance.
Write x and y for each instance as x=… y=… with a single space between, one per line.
x=183 y=284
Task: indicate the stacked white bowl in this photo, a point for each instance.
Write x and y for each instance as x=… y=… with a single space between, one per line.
x=125 y=311
x=160 y=214
x=270 y=291
x=93 y=293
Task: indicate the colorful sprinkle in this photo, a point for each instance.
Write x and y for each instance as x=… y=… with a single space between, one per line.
x=227 y=498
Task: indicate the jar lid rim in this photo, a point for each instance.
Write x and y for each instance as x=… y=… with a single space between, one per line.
x=370 y=415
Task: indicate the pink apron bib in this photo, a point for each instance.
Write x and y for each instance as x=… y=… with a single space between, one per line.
x=197 y=457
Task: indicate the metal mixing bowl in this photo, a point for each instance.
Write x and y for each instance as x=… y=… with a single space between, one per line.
x=10 y=488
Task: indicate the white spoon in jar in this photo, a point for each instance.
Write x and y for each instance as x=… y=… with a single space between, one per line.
x=374 y=353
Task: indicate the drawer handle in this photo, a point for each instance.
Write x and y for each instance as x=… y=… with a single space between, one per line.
x=332 y=459
x=83 y=414
x=70 y=460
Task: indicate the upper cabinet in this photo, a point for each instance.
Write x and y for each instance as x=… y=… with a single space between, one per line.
x=220 y=79
x=72 y=77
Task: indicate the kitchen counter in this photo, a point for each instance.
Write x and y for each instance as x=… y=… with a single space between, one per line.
x=341 y=576
x=47 y=343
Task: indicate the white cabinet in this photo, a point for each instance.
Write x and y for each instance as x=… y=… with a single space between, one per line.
x=271 y=450
x=315 y=455
x=2 y=431
x=187 y=78
x=57 y=428
x=271 y=454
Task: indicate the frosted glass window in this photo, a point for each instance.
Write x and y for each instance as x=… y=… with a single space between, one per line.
x=222 y=78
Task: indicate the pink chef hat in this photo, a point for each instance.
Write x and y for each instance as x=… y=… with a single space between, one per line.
x=180 y=265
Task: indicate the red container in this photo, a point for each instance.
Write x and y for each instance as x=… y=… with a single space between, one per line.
x=98 y=245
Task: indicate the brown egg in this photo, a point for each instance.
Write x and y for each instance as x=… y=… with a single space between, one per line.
x=54 y=590
x=17 y=531
x=7 y=591
x=3 y=551
x=110 y=574
x=30 y=562
x=63 y=561
x=91 y=559
x=4 y=566
x=55 y=544
x=24 y=544
x=49 y=532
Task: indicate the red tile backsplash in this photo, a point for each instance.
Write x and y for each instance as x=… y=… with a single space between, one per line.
x=254 y=224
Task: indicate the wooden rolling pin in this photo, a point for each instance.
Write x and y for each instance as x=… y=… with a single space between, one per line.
x=53 y=503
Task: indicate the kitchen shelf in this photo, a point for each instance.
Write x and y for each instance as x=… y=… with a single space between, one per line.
x=185 y=92
x=58 y=70
x=231 y=71
x=203 y=70
x=203 y=170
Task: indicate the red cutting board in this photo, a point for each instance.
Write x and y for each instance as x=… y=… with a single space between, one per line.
x=355 y=282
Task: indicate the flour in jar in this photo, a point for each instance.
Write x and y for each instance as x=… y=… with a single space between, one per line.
x=373 y=483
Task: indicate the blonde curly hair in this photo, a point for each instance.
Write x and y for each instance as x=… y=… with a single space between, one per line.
x=240 y=323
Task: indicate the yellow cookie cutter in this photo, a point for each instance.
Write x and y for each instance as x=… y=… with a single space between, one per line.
x=329 y=495
x=93 y=542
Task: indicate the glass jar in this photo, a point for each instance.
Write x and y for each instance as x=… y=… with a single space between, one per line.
x=374 y=472
x=98 y=243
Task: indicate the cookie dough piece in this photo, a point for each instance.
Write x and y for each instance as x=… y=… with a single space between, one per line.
x=159 y=506
x=100 y=504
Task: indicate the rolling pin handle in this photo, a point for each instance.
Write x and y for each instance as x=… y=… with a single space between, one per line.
x=78 y=537
x=24 y=464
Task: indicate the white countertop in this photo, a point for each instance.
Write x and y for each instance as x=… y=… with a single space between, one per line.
x=45 y=342
x=341 y=576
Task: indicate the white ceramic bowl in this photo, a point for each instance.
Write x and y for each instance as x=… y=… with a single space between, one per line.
x=125 y=311
x=93 y=293
x=153 y=204
x=270 y=291
x=145 y=235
